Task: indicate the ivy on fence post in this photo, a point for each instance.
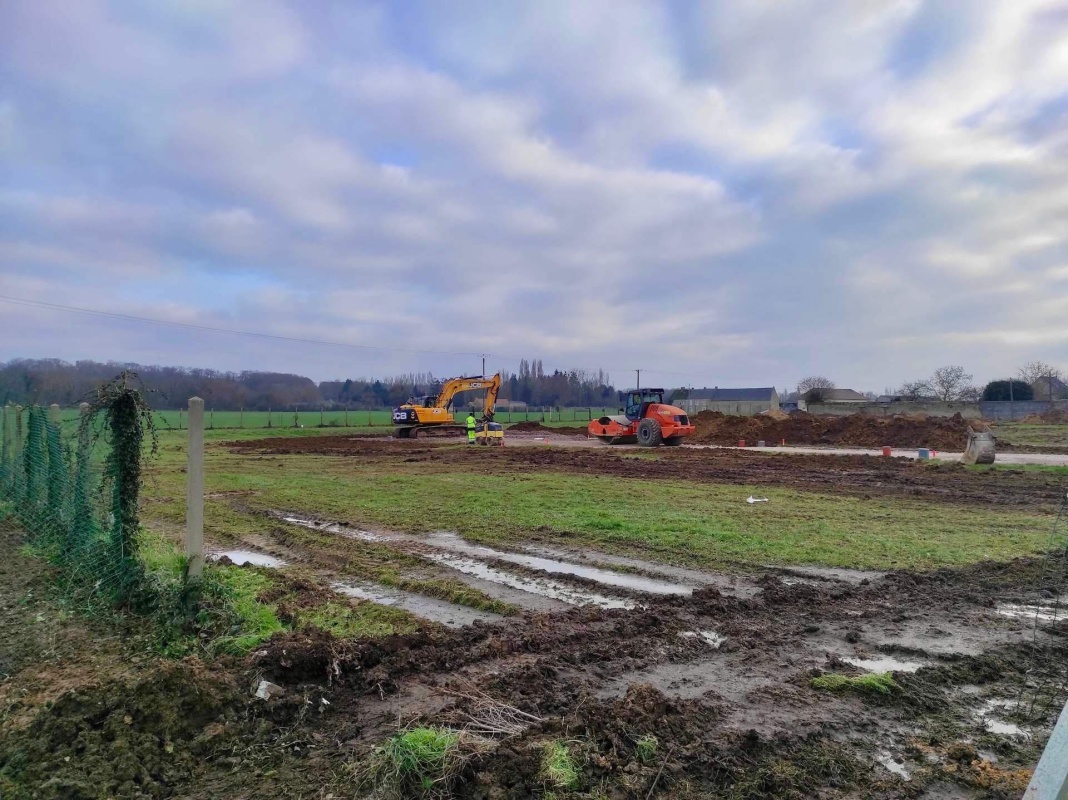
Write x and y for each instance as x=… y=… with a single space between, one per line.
x=126 y=417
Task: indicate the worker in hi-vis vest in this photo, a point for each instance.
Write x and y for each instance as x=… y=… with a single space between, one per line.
x=470 y=428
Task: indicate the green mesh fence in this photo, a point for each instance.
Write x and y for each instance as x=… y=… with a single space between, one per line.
x=73 y=487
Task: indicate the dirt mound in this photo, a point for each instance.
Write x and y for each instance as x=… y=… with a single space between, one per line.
x=121 y=740
x=857 y=430
x=537 y=427
x=775 y=413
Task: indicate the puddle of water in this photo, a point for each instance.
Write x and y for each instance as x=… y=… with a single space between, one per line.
x=546 y=588
x=241 y=557
x=1004 y=728
x=367 y=592
x=711 y=638
x=1040 y=612
x=1001 y=727
x=726 y=583
x=341 y=530
x=887 y=760
x=451 y=541
x=786 y=580
x=841 y=574
x=449 y=614
x=884 y=664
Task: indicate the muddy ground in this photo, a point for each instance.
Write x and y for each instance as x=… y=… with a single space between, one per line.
x=801 y=428
x=722 y=681
x=594 y=651
x=864 y=476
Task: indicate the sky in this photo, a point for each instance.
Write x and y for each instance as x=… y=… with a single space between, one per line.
x=717 y=193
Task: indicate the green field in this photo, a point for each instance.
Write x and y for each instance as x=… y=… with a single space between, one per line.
x=701 y=524
x=1033 y=435
x=363 y=418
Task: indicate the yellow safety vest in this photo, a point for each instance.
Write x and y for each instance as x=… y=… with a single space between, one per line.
x=470 y=423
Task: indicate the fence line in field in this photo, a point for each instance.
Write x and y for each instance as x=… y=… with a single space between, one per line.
x=178 y=419
x=73 y=485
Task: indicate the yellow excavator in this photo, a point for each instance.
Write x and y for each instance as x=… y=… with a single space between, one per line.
x=421 y=415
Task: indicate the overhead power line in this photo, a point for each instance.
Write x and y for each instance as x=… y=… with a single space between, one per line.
x=92 y=312
x=231 y=331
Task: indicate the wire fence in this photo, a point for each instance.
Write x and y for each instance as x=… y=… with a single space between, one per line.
x=74 y=486
x=1046 y=683
x=352 y=418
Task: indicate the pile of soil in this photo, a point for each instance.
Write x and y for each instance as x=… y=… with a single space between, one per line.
x=856 y=430
x=537 y=427
x=858 y=475
x=775 y=413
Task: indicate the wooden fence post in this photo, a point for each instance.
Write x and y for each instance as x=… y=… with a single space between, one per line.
x=194 y=498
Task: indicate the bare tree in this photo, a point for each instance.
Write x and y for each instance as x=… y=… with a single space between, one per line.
x=814 y=382
x=812 y=388
x=952 y=383
x=914 y=389
x=1033 y=370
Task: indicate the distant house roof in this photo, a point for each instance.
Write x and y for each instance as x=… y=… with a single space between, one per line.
x=1043 y=384
x=836 y=396
x=733 y=395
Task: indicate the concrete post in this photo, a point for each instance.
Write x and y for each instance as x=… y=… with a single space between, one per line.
x=54 y=415
x=194 y=498
x=1050 y=781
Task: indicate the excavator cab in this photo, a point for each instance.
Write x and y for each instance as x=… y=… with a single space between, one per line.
x=638 y=401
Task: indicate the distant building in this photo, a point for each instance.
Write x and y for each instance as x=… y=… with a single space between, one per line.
x=738 y=402
x=1042 y=386
x=834 y=396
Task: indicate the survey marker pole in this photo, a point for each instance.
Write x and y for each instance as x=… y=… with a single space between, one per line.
x=194 y=498
x=1050 y=781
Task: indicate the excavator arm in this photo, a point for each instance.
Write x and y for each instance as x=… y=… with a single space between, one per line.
x=458 y=385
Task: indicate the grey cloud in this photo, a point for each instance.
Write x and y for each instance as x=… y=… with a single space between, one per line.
x=848 y=196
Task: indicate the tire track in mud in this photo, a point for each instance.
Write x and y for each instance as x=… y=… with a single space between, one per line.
x=535 y=582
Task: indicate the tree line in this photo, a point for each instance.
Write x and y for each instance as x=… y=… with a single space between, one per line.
x=1035 y=380
x=45 y=381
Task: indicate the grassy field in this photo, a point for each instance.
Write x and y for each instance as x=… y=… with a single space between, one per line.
x=672 y=520
x=379 y=419
x=1035 y=435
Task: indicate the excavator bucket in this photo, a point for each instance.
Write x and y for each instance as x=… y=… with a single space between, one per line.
x=980 y=448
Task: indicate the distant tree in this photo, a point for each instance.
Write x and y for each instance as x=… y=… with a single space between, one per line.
x=913 y=390
x=1044 y=378
x=1033 y=370
x=814 y=382
x=999 y=390
x=952 y=383
x=811 y=388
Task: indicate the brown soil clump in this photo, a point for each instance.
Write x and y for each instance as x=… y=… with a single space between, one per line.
x=537 y=427
x=856 y=430
x=859 y=475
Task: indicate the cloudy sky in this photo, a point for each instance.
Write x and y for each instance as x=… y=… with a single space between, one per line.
x=721 y=193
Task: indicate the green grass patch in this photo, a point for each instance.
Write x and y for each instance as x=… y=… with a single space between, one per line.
x=879 y=683
x=671 y=520
x=558 y=768
x=241 y=588
x=996 y=467
x=1040 y=435
x=352 y=621
x=421 y=762
x=647 y=747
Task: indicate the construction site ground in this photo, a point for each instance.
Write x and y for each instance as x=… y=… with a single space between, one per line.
x=661 y=615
